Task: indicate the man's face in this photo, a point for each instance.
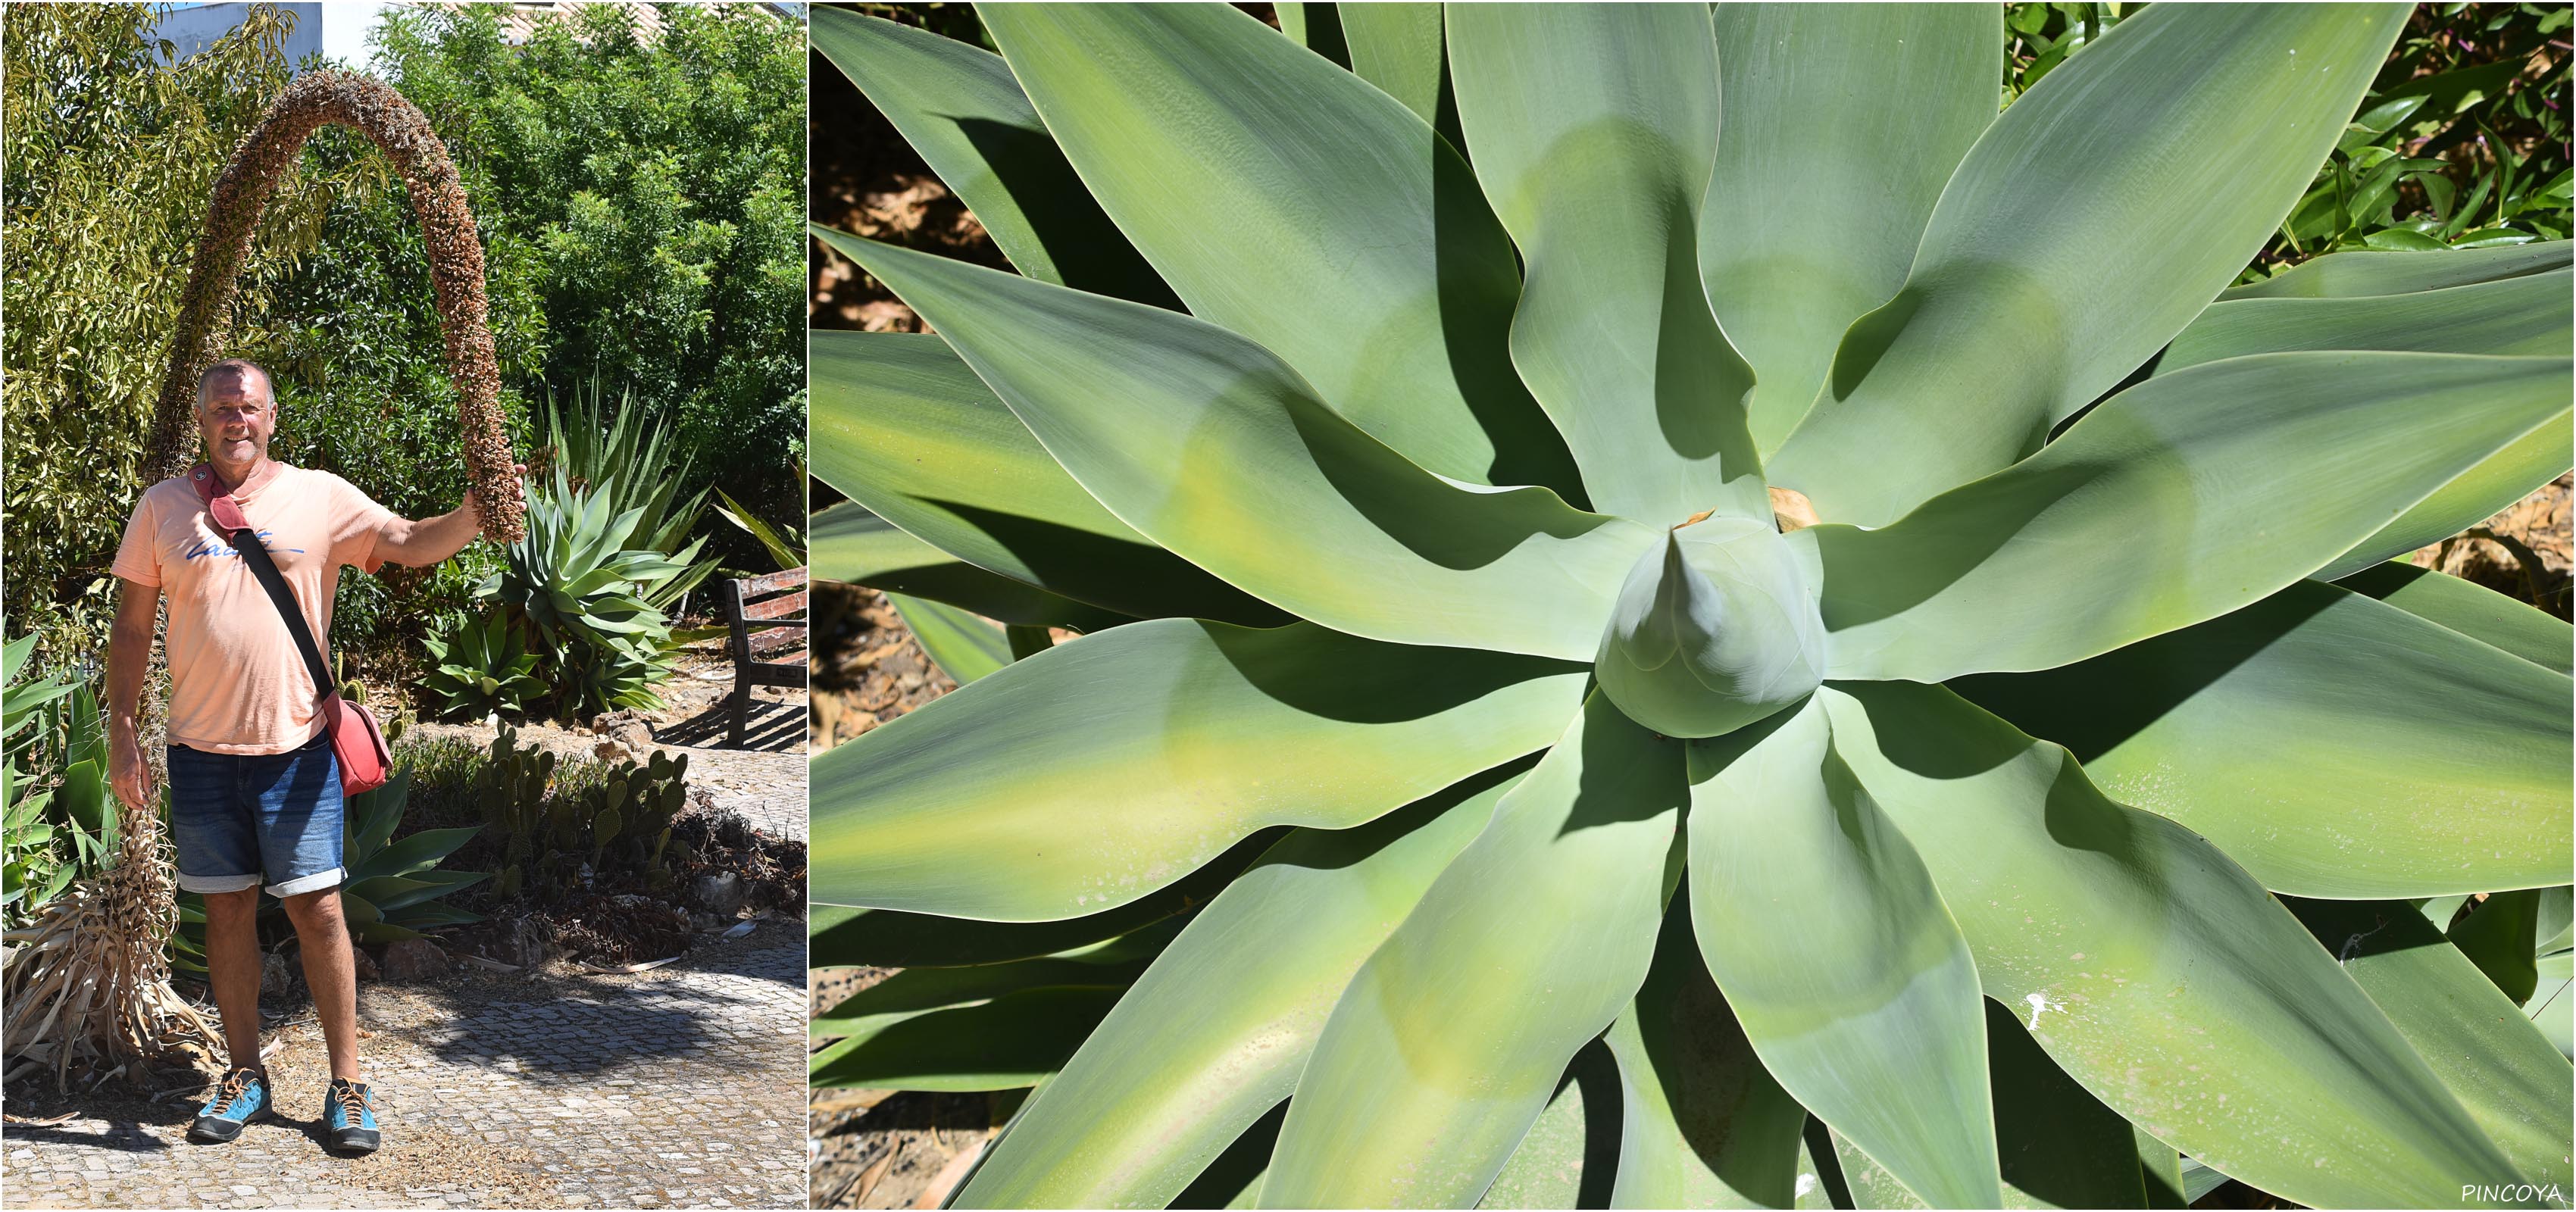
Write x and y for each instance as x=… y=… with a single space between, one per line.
x=237 y=418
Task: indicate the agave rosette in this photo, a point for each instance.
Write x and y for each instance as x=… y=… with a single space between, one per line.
x=1405 y=436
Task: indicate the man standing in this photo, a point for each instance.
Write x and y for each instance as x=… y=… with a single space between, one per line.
x=254 y=788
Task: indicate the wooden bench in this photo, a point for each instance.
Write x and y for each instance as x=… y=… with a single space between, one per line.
x=757 y=611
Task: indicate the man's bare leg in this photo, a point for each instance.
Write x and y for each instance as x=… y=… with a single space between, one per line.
x=232 y=970
x=330 y=972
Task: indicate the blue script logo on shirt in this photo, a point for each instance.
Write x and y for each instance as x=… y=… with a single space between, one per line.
x=218 y=549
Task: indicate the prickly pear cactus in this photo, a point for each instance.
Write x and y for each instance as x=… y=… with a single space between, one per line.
x=455 y=266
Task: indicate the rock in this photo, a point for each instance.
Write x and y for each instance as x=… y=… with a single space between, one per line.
x=365 y=963
x=414 y=960
x=275 y=978
x=720 y=893
x=523 y=944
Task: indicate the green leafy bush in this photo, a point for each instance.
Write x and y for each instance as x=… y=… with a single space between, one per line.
x=481 y=669
x=54 y=799
x=1754 y=603
x=639 y=207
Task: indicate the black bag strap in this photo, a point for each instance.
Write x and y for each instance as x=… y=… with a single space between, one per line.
x=252 y=553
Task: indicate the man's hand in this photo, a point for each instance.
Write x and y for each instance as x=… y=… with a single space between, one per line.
x=127 y=773
x=518 y=487
x=426 y=542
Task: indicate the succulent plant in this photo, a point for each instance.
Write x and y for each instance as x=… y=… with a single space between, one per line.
x=481 y=669
x=586 y=594
x=1458 y=660
x=620 y=821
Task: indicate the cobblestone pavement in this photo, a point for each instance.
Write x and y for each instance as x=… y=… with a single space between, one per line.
x=679 y=1087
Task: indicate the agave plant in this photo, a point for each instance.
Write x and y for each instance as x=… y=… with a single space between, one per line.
x=588 y=596
x=623 y=460
x=477 y=670
x=1457 y=658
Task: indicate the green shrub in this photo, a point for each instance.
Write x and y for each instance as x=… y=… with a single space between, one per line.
x=640 y=208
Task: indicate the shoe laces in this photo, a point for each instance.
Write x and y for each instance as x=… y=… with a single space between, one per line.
x=236 y=1086
x=354 y=1100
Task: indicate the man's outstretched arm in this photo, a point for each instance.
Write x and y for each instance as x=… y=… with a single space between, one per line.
x=419 y=544
x=129 y=652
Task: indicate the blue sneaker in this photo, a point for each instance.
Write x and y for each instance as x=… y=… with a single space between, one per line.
x=349 y=1116
x=241 y=1098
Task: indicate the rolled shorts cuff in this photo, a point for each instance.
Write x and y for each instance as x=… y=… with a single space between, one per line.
x=217 y=883
x=306 y=883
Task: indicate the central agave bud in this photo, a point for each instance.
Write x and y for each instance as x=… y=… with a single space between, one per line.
x=1715 y=628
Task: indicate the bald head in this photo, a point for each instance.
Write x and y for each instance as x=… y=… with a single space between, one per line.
x=235 y=377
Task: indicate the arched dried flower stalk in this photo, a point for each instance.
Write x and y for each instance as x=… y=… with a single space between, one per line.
x=455 y=267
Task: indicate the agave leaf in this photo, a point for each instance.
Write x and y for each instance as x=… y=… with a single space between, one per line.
x=2502 y=1069
x=1397 y=47
x=2133 y=523
x=1822 y=187
x=1702 y=1123
x=964 y=646
x=917 y=991
x=2160 y=1168
x=1569 y=1157
x=2472 y=610
x=1240 y=165
x=2087 y=226
x=2348 y=275
x=2121 y=934
x=904 y=427
x=1838 y=957
x=1012 y=1041
x=1452 y=1038
x=854 y=545
x=1218 y=732
x=428 y=886
x=2334 y=745
x=1217 y=1031
x=2498 y=936
x=2480 y=493
x=2528 y=314
x=1213 y=448
x=1315 y=26
x=2061 y=1147
x=2524 y=314
x=958 y=106
x=418 y=852
x=839 y=936
x=1593 y=127
x=376 y=814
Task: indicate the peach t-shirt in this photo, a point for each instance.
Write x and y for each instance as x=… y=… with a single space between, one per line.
x=237 y=683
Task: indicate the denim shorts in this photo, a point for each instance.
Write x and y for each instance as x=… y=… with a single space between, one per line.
x=241 y=819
